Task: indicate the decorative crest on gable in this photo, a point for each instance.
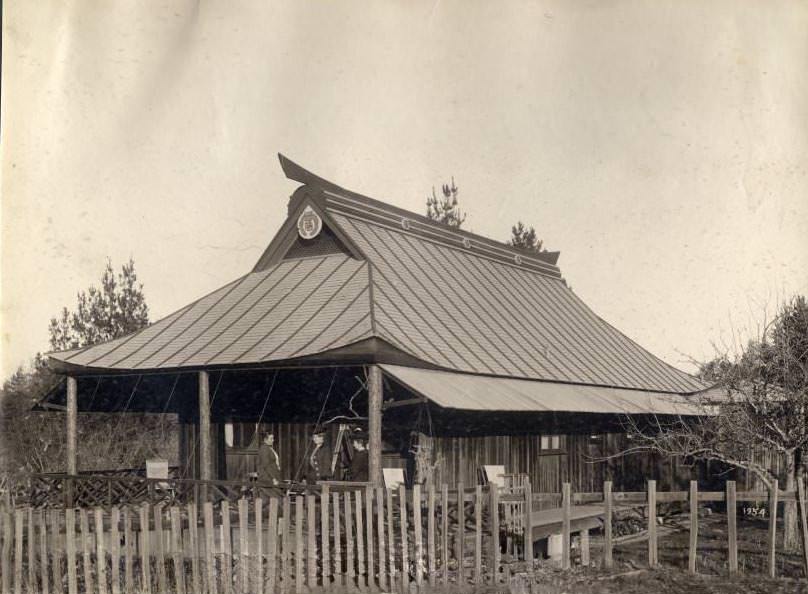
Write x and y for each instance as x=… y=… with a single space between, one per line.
x=309 y=224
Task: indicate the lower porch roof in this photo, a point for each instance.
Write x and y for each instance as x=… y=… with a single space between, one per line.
x=465 y=391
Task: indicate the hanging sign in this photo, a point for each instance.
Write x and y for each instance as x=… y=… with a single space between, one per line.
x=309 y=224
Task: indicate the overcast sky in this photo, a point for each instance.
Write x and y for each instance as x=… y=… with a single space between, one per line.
x=662 y=147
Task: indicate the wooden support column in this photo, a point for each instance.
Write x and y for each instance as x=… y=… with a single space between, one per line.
x=204 y=427
x=375 y=390
x=72 y=410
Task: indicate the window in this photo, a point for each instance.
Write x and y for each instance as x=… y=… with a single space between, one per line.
x=228 y=434
x=551 y=443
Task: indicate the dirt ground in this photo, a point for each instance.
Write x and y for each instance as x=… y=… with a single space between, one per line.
x=631 y=575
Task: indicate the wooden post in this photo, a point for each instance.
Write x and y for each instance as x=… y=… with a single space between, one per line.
x=226 y=548
x=652 y=531
x=325 y=538
x=772 y=542
x=100 y=552
x=159 y=548
x=258 y=588
x=128 y=548
x=360 y=541
x=205 y=460
x=375 y=394
x=311 y=542
x=31 y=554
x=243 y=545
x=349 y=545
x=19 y=517
x=86 y=550
x=5 y=559
x=444 y=533
x=70 y=545
x=585 y=547
x=72 y=410
x=56 y=564
x=566 y=518
x=608 y=543
x=803 y=522
x=115 y=549
x=380 y=536
x=210 y=553
x=495 y=550
x=418 y=535
x=460 y=537
x=43 y=552
x=371 y=551
x=193 y=537
x=478 y=536
x=430 y=528
x=732 y=528
x=405 y=562
x=335 y=507
x=176 y=549
x=145 y=553
x=283 y=569
x=391 y=540
x=694 y=525
x=528 y=525
x=299 y=544
x=272 y=545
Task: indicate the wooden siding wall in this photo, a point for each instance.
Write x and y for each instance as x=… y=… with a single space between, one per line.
x=579 y=461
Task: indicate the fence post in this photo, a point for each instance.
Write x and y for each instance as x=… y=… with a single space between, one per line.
x=608 y=544
x=732 y=533
x=528 y=525
x=566 y=518
x=405 y=564
x=226 y=548
x=461 y=536
x=324 y=537
x=338 y=581
x=418 y=548
x=18 y=525
x=86 y=550
x=772 y=542
x=299 y=560
x=430 y=527
x=478 y=536
x=652 y=531
x=380 y=535
x=444 y=503
x=70 y=545
x=56 y=561
x=803 y=523
x=272 y=545
x=495 y=544
x=694 y=525
x=31 y=551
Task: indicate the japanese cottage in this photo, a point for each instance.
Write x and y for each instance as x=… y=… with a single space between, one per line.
x=458 y=351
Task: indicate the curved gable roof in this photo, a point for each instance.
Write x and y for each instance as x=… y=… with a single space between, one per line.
x=447 y=298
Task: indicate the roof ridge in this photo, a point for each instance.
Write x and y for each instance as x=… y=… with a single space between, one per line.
x=456 y=236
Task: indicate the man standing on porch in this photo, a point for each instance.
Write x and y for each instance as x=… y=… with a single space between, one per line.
x=269 y=465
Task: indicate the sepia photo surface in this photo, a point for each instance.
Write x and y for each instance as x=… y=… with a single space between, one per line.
x=311 y=295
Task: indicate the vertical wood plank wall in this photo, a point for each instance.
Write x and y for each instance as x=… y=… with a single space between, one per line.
x=461 y=457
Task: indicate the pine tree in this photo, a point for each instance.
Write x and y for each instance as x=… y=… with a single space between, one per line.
x=445 y=209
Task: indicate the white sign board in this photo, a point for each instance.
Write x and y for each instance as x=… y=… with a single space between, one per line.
x=393 y=477
x=495 y=475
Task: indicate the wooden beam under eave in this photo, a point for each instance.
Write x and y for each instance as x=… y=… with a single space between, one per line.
x=70 y=422
x=375 y=394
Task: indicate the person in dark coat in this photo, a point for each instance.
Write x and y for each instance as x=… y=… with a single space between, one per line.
x=269 y=464
x=359 y=462
x=318 y=465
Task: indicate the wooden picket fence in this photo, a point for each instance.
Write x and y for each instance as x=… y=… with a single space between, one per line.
x=366 y=539
x=370 y=539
